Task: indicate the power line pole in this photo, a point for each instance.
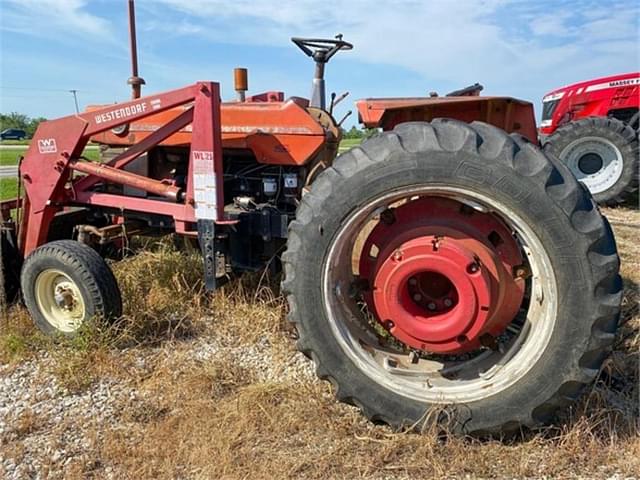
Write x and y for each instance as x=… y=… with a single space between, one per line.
x=75 y=99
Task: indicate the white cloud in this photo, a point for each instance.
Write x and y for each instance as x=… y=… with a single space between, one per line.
x=501 y=43
x=53 y=18
x=552 y=24
x=514 y=47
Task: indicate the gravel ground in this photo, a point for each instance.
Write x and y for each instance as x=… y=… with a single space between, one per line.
x=45 y=429
x=39 y=420
x=48 y=431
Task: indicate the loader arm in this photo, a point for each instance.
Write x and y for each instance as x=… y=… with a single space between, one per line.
x=56 y=149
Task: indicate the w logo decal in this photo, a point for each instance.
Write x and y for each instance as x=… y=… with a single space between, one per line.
x=47 y=145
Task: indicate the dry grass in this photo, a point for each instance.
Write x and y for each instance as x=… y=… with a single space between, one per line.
x=238 y=415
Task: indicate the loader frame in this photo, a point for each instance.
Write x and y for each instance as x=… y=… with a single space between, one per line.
x=48 y=168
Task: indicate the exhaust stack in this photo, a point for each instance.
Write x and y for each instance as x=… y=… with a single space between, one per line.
x=134 y=80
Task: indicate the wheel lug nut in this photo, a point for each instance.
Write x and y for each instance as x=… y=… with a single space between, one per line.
x=413 y=281
x=431 y=306
x=473 y=267
x=388 y=324
x=417 y=297
x=397 y=256
x=447 y=302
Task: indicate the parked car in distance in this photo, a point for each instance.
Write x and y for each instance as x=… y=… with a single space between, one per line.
x=13 y=134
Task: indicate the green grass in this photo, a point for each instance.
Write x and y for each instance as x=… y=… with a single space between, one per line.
x=9 y=156
x=8 y=188
x=348 y=143
x=92 y=154
x=14 y=142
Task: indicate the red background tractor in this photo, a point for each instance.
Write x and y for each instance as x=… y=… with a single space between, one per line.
x=592 y=127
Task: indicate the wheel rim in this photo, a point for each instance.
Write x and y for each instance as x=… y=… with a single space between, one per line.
x=59 y=300
x=595 y=161
x=456 y=372
x=443 y=281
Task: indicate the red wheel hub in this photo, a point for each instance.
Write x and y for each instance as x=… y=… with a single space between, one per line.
x=441 y=275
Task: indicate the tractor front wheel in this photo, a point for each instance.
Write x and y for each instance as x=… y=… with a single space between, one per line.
x=451 y=271
x=66 y=284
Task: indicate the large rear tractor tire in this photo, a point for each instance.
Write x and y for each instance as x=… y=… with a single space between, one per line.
x=66 y=284
x=602 y=153
x=447 y=271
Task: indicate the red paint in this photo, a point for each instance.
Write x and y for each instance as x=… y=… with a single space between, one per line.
x=99 y=171
x=509 y=114
x=444 y=255
x=58 y=144
x=278 y=132
x=137 y=149
x=206 y=138
x=598 y=97
x=180 y=212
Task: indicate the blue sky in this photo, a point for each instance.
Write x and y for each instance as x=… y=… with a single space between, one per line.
x=402 y=48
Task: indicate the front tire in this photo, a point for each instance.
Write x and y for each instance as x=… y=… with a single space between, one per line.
x=602 y=153
x=66 y=284
x=568 y=315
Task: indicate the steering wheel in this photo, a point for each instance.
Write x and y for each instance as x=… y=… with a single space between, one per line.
x=321 y=49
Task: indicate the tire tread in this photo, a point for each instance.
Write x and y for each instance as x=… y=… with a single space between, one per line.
x=510 y=151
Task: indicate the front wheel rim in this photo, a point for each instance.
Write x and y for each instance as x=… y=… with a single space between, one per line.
x=586 y=153
x=431 y=378
x=59 y=300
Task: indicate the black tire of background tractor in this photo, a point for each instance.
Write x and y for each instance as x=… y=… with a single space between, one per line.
x=578 y=240
x=621 y=135
x=85 y=267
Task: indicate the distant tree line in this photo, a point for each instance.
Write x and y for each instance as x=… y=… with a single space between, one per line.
x=21 y=121
x=29 y=125
x=356 y=132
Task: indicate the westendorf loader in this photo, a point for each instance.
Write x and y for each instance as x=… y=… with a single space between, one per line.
x=442 y=263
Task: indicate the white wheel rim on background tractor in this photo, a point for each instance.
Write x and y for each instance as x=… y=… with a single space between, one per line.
x=59 y=300
x=581 y=155
x=484 y=375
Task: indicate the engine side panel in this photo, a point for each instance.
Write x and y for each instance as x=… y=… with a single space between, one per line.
x=279 y=133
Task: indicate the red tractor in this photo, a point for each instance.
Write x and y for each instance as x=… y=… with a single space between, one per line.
x=592 y=127
x=445 y=265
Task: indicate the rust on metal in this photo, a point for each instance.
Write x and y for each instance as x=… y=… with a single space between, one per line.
x=123 y=177
x=510 y=114
x=240 y=82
